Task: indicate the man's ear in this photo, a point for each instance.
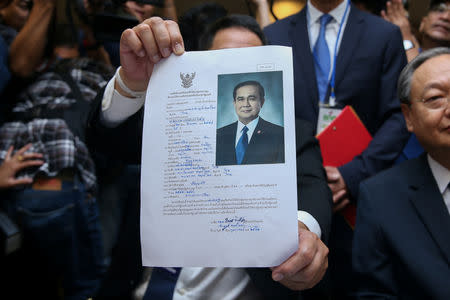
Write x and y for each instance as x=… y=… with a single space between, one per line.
x=406 y=109
x=422 y=24
x=262 y=101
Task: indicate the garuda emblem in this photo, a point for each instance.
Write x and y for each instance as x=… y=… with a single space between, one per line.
x=186 y=79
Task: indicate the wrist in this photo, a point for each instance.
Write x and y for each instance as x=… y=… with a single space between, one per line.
x=125 y=88
x=134 y=84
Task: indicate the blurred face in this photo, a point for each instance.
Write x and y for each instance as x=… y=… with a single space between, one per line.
x=248 y=103
x=436 y=24
x=16 y=14
x=139 y=10
x=235 y=37
x=431 y=82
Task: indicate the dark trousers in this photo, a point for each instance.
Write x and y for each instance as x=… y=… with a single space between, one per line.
x=62 y=248
x=340 y=272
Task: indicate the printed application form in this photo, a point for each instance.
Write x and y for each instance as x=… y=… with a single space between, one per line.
x=199 y=207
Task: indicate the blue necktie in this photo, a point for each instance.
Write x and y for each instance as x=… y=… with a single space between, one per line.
x=162 y=284
x=242 y=146
x=322 y=58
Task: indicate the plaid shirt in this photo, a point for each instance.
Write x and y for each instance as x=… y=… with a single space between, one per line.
x=52 y=137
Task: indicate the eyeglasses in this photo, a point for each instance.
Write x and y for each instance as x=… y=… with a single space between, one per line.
x=440 y=8
x=435 y=103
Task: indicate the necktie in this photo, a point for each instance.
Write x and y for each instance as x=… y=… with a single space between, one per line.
x=242 y=146
x=162 y=284
x=322 y=58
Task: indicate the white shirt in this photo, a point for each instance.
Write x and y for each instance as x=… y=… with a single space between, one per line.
x=442 y=177
x=251 y=128
x=332 y=29
x=194 y=283
x=215 y=283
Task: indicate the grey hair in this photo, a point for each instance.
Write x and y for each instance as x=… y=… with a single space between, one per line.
x=405 y=78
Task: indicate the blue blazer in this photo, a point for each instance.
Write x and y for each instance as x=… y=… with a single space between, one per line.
x=401 y=247
x=369 y=61
x=266 y=145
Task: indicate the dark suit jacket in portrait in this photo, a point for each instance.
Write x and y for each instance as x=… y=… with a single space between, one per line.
x=124 y=143
x=265 y=147
x=402 y=239
x=369 y=61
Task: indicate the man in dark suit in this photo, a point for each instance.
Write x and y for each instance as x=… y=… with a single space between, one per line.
x=368 y=55
x=251 y=139
x=402 y=238
x=120 y=115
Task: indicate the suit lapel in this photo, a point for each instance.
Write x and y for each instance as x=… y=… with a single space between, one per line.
x=307 y=74
x=430 y=206
x=350 y=41
x=255 y=141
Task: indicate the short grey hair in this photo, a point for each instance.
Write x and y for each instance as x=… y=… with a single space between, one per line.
x=405 y=78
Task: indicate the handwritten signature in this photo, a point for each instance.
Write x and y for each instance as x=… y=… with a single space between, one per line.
x=235 y=224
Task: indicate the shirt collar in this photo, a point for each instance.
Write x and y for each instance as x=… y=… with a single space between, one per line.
x=337 y=13
x=251 y=126
x=440 y=173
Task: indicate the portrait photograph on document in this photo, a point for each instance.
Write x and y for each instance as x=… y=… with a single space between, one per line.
x=250 y=119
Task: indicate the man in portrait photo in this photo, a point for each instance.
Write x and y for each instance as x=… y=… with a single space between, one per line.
x=251 y=139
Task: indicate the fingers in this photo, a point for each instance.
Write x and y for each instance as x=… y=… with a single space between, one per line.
x=130 y=43
x=162 y=36
x=332 y=174
x=21 y=160
x=22 y=150
x=341 y=205
x=21 y=181
x=27 y=156
x=175 y=37
x=301 y=258
x=155 y=38
x=309 y=276
x=29 y=163
x=8 y=154
x=148 y=40
x=338 y=195
x=307 y=266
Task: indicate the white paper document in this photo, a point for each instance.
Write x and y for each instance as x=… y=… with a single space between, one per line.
x=199 y=206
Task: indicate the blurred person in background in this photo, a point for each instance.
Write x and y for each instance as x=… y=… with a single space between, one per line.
x=259 y=9
x=13 y=17
x=434 y=29
x=196 y=20
x=138 y=10
x=58 y=210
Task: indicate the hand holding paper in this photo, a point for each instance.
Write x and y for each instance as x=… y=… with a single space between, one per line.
x=143 y=46
x=306 y=267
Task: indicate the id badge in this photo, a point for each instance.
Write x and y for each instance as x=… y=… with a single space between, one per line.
x=326 y=116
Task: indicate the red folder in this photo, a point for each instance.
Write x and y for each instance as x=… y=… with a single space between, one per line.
x=343 y=139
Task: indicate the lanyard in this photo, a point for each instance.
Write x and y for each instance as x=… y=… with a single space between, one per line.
x=332 y=99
